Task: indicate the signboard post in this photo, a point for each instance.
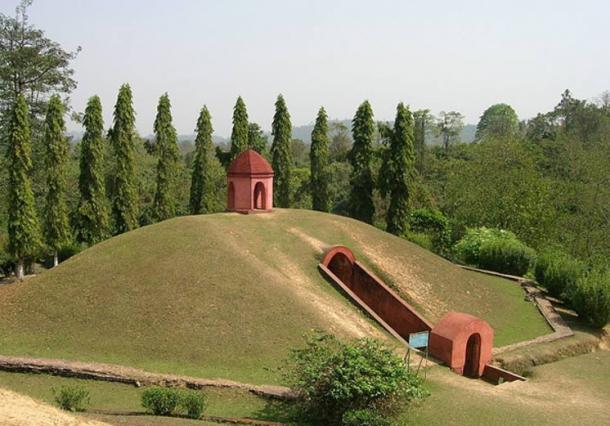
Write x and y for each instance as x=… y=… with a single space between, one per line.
x=418 y=341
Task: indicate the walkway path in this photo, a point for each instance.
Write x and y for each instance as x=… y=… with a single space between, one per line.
x=130 y=375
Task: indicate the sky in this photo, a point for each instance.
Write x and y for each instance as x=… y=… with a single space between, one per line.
x=442 y=55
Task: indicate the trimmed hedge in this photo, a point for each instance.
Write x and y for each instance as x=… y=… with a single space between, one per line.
x=495 y=249
x=590 y=297
x=558 y=271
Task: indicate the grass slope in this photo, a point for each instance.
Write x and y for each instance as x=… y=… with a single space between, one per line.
x=227 y=295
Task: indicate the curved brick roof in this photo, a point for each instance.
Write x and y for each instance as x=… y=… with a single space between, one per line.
x=250 y=163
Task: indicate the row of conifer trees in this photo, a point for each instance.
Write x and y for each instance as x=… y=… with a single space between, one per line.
x=98 y=216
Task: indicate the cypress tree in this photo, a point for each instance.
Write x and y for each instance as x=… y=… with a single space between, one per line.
x=239 y=134
x=361 y=205
x=201 y=196
x=164 y=205
x=56 y=226
x=281 y=153
x=122 y=135
x=318 y=156
x=23 y=226
x=92 y=208
x=399 y=166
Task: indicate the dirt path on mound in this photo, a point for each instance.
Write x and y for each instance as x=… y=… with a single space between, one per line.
x=130 y=375
x=21 y=410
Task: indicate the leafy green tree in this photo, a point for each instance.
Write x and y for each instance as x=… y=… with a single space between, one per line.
x=92 y=208
x=318 y=156
x=361 y=204
x=423 y=121
x=398 y=167
x=449 y=125
x=125 y=204
x=31 y=65
x=23 y=226
x=202 y=190
x=239 y=134
x=164 y=205
x=499 y=120
x=56 y=226
x=257 y=139
x=340 y=141
x=281 y=153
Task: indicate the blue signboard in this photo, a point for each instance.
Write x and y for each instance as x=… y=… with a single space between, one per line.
x=418 y=340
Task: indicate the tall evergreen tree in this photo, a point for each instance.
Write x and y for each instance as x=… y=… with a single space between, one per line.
x=360 y=203
x=23 y=226
x=164 y=204
x=122 y=138
x=92 y=208
x=318 y=156
x=399 y=168
x=202 y=197
x=56 y=226
x=281 y=153
x=239 y=134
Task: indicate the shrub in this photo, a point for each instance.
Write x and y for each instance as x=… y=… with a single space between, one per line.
x=364 y=418
x=72 y=398
x=506 y=256
x=7 y=262
x=193 y=402
x=494 y=249
x=557 y=271
x=161 y=401
x=432 y=223
x=333 y=377
x=590 y=297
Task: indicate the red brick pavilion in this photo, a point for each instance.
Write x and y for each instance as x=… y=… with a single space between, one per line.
x=250 y=184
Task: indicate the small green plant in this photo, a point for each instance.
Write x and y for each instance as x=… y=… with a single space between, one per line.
x=557 y=271
x=421 y=239
x=161 y=401
x=193 y=402
x=334 y=377
x=72 y=398
x=590 y=297
x=364 y=418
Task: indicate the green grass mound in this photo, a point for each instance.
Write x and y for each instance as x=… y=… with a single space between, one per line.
x=228 y=295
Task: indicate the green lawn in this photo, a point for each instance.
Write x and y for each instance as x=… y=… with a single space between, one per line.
x=228 y=295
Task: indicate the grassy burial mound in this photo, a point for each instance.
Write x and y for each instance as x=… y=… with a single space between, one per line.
x=228 y=295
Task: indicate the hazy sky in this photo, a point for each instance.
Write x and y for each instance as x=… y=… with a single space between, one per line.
x=443 y=55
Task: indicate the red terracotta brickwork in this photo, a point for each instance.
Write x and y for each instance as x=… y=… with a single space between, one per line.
x=249 y=184
x=463 y=342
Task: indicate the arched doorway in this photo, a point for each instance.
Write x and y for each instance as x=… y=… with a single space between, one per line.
x=473 y=354
x=231 y=196
x=260 y=197
x=341 y=266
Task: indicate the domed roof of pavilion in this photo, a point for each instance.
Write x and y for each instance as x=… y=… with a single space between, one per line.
x=250 y=163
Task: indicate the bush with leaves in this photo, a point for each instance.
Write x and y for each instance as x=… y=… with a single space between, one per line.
x=171 y=401
x=590 y=297
x=161 y=401
x=72 y=398
x=334 y=377
x=557 y=271
x=193 y=403
x=494 y=249
x=506 y=256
